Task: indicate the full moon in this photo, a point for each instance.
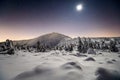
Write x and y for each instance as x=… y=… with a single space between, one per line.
x=79 y=7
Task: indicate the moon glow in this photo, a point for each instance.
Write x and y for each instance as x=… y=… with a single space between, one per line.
x=79 y=7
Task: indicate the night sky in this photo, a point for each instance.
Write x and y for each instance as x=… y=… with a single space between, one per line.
x=25 y=19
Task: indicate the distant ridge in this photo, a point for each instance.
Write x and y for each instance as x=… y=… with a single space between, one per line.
x=47 y=39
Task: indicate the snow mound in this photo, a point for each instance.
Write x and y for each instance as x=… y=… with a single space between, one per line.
x=79 y=55
x=109 y=62
x=67 y=71
x=119 y=56
x=72 y=65
x=104 y=74
x=114 y=60
x=90 y=59
x=39 y=70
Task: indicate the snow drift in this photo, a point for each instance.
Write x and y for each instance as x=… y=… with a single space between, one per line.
x=67 y=71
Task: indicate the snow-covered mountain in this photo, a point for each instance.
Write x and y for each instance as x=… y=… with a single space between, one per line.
x=47 y=39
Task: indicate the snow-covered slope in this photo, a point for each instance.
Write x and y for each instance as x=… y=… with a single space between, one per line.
x=47 y=39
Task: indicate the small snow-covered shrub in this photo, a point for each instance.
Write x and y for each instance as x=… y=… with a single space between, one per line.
x=91 y=51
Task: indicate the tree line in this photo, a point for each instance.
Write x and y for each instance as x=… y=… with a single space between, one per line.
x=81 y=46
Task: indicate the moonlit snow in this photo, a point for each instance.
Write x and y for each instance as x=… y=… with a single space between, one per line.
x=55 y=56
x=54 y=65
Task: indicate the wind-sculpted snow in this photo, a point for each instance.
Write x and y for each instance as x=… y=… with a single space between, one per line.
x=67 y=71
x=72 y=65
x=60 y=65
x=37 y=71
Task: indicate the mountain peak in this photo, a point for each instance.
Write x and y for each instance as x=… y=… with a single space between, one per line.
x=53 y=38
x=54 y=34
x=50 y=38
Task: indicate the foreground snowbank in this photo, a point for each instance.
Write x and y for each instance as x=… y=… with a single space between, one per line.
x=57 y=65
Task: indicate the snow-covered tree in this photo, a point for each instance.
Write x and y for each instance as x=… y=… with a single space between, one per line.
x=85 y=46
x=38 y=46
x=113 y=47
x=9 y=47
x=80 y=45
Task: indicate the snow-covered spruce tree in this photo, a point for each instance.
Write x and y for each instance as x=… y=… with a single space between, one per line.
x=9 y=47
x=113 y=47
x=68 y=48
x=43 y=48
x=60 y=48
x=71 y=48
x=56 y=47
x=2 y=48
x=23 y=47
x=16 y=46
x=28 y=48
x=96 y=45
x=104 y=46
x=65 y=48
x=38 y=46
x=85 y=46
x=47 y=47
x=80 y=45
x=90 y=43
x=90 y=47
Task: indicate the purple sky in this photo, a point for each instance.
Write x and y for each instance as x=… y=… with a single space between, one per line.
x=25 y=19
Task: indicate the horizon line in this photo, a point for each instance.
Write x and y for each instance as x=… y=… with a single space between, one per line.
x=65 y=35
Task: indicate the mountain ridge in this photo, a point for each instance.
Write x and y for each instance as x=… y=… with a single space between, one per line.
x=50 y=38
